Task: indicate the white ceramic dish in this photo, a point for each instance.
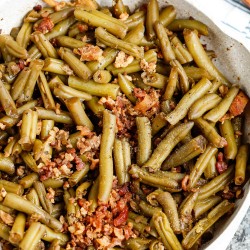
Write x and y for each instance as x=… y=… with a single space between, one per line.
x=233 y=60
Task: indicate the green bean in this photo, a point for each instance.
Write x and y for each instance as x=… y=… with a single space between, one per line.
x=166 y=233
x=7 y=102
x=98 y=19
x=241 y=163
x=28 y=129
x=237 y=123
x=77 y=112
x=22 y=205
x=148 y=210
x=165 y=147
x=11 y=187
x=216 y=184
x=202 y=206
x=136 y=35
x=170 y=209
x=23 y=36
x=102 y=76
x=28 y=180
x=6 y=164
x=210 y=171
x=210 y=133
x=93 y=195
x=127 y=87
x=200 y=57
x=41 y=192
x=82 y=189
x=172 y=83
x=158 y=123
x=38 y=149
x=6 y=209
x=78 y=175
x=32 y=236
x=69 y=42
x=17 y=230
x=157 y=179
x=113 y=42
x=181 y=53
x=187 y=101
x=51 y=235
x=44 y=45
x=186 y=152
x=166 y=49
x=32 y=196
x=53 y=183
x=56 y=66
x=12 y=47
x=167 y=15
x=200 y=165
x=4 y=231
x=63 y=117
x=156 y=245
x=220 y=110
x=197 y=73
x=119 y=8
x=78 y=67
x=133 y=20
x=182 y=24
x=106 y=161
x=109 y=55
x=144 y=140
x=152 y=16
x=29 y=161
x=202 y=105
x=94 y=88
x=227 y=131
x=149 y=56
x=155 y=80
x=202 y=225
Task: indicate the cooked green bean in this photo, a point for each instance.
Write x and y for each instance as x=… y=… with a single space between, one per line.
x=200 y=166
x=202 y=225
x=220 y=110
x=155 y=179
x=32 y=236
x=158 y=123
x=136 y=35
x=182 y=24
x=200 y=57
x=78 y=67
x=17 y=230
x=77 y=112
x=4 y=231
x=187 y=101
x=167 y=15
x=186 y=152
x=167 y=144
x=227 y=131
x=202 y=206
x=102 y=76
x=210 y=171
x=56 y=66
x=127 y=87
x=94 y=88
x=6 y=164
x=237 y=123
x=133 y=20
x=69 y=42
x=144 y=140
x=51 y=235
x=241 y=163
x=138 y=243
x=210 y=133
x=93 y=195
x=106 y=161
x=108 y=39
x=23 y=36
x=166 y=49
x=152 y=16
x=197 y=73
x=155 y=80
x=28 y=180
x=165 y=231
x=98 y=19
x=147 y=209
x=77 y=176
x=22 y=205
x=29 y=161
x=172 y=84
x=11 y=187
x=202 y=105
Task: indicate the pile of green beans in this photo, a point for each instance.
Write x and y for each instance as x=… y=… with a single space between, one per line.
x=184 y=165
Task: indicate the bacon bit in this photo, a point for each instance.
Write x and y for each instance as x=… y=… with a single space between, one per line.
x=89 y=53
x=6 y=218
x=21 y=64
x=121 y=218
x=82 y=27
x=13 y=68
x=149 y=67
x=184 y=182
x=37 y=7
x=223 y=90
x=239 y=103
x=221 y=165
x=85 y=131
x=45 y=26
x=20 y=170
x=2 y=194
x=147 y=101
x=2 y=126
x=51 y=194
x=122 y=60
x=124 y=16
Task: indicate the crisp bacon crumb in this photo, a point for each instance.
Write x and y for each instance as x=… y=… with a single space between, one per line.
x=45 y=26
x=122 y=60
x=89 y=53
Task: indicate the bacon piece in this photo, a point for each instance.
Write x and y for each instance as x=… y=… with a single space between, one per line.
x=221 y=165
x=89 y=53
x=239 y=103
x=45 y=26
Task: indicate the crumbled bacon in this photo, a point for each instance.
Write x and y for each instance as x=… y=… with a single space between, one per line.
x=122 y=60
x=37 y=7
x=89 y=53
x=221 y=165
x=6 y=218
x=124 y=16
x=82 y=27
x=45 y=26
x=149 y=67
